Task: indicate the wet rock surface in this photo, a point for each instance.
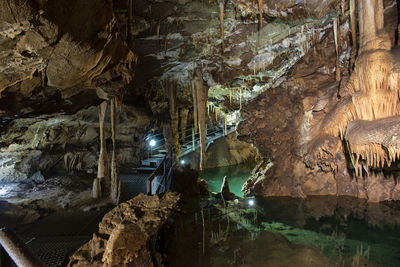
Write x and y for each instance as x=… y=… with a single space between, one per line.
x=125 y=232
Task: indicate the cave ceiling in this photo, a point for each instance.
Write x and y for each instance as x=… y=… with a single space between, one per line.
x=172 y=38
x=62 y=56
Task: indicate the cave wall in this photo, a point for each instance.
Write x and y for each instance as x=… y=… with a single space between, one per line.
x=301 y=159
x=58 y=60
x=61 y=144
x=225 y=151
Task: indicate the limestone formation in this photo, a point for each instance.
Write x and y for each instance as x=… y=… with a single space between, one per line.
x=183 y=119
x=329 y=142
x=201 y=95
x=115 y=186
x=225 y=191
x=125 y=232
x=173 y=111
x=42 y=42
x=103 y=165
x=67 y=143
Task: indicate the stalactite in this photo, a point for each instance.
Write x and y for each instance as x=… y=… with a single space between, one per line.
x=96 y=188
x=260 y=9
x=336 y=34
x=195 y=103
x=103 y=169
x=221 y=20
x=173 y=111
x=130 y=25
x=240 y=99
x=115 y=180
x=230 y=96
x=225 y=125
x=184 y=117
x=353 y=22
x=202 y=96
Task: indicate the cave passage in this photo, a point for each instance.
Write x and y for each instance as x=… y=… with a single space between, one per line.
x=200 y=132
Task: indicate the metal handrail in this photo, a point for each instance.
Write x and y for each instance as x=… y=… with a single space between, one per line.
x=17 y=250
x=196 y=136
x=154 y=174
x=167 y=164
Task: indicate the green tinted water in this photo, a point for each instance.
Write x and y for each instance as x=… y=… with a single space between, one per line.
x=282 y=231
x=237 y=175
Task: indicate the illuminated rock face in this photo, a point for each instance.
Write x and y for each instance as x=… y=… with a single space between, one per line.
x=69 y=45
x=374 y=92
x=344 y=142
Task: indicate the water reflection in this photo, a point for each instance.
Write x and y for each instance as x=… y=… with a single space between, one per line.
x=237 y=174
x=317 y=231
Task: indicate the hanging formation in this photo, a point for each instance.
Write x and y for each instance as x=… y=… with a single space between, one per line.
x=106 y=184
x=200 y=96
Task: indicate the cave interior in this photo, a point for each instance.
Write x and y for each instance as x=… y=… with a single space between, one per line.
x=200 y=132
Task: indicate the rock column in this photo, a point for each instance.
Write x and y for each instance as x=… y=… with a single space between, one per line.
x=184 y=117
x=103 y=170
x=201 y=92
x=173 y=111
x=115 y=180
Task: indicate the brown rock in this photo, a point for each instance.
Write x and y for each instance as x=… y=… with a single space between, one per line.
x=125 y=231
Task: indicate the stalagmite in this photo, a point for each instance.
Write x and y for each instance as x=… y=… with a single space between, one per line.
x=202 y=96
x=230 y=96
x=103 y=170
x=184 y=117
x=221 y=20
x=353 y=33
x=115 y=180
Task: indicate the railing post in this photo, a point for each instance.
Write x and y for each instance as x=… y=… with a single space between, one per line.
x=193 y=140
x=149 y=187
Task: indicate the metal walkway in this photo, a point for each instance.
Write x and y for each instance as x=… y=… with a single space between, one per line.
x=136 y=182
x=55 y=237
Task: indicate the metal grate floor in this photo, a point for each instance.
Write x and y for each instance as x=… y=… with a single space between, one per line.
x=54 y=251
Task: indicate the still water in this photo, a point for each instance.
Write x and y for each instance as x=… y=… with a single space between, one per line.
x=237 y=175
x=317 y=231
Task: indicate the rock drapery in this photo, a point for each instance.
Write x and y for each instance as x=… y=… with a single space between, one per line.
x=337 y=145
